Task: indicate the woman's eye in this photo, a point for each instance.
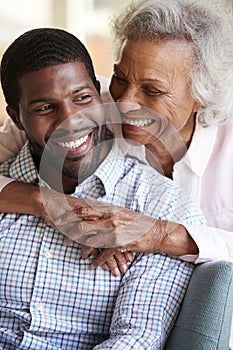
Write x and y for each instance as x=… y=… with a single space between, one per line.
x=151 y=92
x=119 y=79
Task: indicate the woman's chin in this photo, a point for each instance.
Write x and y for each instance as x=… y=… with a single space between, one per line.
x=139 y=136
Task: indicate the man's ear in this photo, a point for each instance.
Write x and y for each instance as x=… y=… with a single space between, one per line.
x=97 y=85
x=15 y=117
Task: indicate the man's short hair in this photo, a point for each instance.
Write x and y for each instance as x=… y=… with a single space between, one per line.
x=37 y=49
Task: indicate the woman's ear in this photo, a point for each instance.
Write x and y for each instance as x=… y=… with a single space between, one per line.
x=197 y=106
x=15 y=117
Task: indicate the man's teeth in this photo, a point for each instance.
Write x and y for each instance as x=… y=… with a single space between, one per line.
x=140 y=123
x=74 y=144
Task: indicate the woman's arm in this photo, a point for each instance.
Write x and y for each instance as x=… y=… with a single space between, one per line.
x=112 y=224
x=21 y=198
x=11 y=140
x=212 y=244
x=124 y=226
x=127 y=230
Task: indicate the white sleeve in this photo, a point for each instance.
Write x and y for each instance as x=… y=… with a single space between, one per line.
x=4 y=181
x=213 y=243
x=11 y=140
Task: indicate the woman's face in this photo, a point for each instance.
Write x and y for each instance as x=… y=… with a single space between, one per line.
x=151 y=83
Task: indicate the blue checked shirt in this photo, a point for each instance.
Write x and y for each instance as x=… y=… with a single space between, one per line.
x=50 y=299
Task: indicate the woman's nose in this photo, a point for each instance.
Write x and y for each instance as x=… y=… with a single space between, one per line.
x=128 y=100
x=126 y=107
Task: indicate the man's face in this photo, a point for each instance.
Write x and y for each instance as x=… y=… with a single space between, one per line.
x=49 y=106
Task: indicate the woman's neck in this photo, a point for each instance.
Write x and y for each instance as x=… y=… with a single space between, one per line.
x=163 y=154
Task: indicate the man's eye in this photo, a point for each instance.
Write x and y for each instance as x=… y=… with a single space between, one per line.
x=84 y=98
x=45 y=108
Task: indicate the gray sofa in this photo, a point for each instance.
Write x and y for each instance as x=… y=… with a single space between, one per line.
x=204 y=320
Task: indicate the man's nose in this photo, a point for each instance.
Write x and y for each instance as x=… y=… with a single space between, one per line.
x=69 y=116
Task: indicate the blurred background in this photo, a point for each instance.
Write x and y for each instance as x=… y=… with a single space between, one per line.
x=87 y=19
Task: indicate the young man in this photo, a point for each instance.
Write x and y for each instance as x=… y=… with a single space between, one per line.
x=49 y=297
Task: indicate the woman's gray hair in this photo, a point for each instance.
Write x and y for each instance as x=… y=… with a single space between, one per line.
x=208 y=25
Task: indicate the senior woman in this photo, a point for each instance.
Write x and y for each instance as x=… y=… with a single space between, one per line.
x=174 y=58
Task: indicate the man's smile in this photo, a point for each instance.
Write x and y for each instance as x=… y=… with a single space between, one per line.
x=74 y=144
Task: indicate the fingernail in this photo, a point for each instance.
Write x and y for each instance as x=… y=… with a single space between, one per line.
x=124 y=268
x=68 y=242
x=116 y=272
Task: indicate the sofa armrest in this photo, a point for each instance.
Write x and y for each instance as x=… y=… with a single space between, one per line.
x=204 y=321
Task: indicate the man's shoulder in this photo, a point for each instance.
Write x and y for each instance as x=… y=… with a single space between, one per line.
x=149 y=175
x=5 y=167
x=147 y=184
x=21 y=167
x=158 y=196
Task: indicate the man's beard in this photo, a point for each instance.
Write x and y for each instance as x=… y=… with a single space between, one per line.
x=88 y=163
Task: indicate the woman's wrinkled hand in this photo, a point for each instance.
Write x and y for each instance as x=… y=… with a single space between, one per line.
x=101 y=225
x=112 y=259
x=98 y=224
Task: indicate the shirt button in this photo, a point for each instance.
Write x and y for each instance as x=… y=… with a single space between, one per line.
x=39 y=306
x=48 y=254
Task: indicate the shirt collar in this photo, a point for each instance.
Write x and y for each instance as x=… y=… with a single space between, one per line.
x=23 y=168
x=111 y=169
x=200 y=149
x=133 y=151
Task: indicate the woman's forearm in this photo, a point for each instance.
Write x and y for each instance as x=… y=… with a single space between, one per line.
x=175 y=239
x=163 y=236
x=22 y=198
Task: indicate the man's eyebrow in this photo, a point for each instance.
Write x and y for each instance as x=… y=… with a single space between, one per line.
x=49 y=99
x=80 y=88
x=39 y=100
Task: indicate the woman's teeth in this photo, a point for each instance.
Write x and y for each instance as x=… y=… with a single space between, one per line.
x=74 y=144
x=140 y=123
